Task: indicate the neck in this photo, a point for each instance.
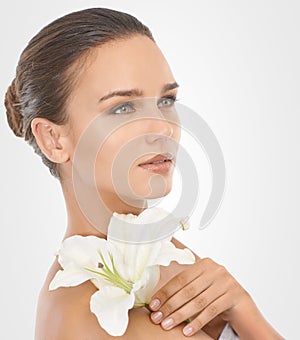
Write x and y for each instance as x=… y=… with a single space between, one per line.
x=93 y=218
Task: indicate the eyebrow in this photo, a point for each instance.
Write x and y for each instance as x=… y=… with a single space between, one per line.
x=135 y=92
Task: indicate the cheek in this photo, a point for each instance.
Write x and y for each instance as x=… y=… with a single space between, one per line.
x=176 y=133
x=105 y=160
x=116 y=165
x=114 y=160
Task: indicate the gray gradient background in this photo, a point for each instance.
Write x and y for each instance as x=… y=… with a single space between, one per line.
x=237 y=63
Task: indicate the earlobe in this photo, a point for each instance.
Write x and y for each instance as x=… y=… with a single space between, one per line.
x=49 y=139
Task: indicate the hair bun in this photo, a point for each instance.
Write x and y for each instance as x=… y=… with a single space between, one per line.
x=14 y=117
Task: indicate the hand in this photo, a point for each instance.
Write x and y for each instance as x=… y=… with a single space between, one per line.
x=203 y=291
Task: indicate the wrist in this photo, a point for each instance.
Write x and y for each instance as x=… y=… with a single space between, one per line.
x=248 y=322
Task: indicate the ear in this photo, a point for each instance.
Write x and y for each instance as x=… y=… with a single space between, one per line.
x=51 y=140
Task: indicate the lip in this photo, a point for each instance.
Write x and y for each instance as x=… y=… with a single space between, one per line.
x=159 y=158
x=161 y=163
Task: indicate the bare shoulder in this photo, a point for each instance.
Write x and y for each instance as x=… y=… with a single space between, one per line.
x=64 y=314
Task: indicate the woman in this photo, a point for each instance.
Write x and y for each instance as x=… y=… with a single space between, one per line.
x=100 y=62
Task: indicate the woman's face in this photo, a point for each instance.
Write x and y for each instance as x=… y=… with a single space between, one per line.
x=122 y=108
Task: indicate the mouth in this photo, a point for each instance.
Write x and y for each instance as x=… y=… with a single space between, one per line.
x=161 y=163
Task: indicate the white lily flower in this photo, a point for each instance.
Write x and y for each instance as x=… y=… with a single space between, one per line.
x=124 y=273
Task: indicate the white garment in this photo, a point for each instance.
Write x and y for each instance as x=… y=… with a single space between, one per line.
x=228 y=333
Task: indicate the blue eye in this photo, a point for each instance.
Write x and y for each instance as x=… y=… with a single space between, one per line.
x=167 y=101
x=123 y=108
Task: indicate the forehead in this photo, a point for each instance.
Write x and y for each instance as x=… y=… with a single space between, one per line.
x=134 y=62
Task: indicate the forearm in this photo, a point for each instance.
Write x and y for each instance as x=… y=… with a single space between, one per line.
x=249 y=324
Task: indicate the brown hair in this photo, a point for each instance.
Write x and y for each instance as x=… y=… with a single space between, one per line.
x=43 y=84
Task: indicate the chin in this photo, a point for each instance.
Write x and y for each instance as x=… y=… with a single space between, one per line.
x=156 y=187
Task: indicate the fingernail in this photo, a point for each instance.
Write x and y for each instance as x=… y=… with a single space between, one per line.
x=187 y=330
x=167 y=323
x=154 y=304
x=157 y=316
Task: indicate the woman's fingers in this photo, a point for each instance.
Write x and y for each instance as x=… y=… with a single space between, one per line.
x=196 y=304
x=181 y=280
x=173 y=286
x=209 y=313
x=202 y=292
x=189 y=293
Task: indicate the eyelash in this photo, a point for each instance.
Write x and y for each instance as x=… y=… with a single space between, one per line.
x=172 y=97
x=132 y=109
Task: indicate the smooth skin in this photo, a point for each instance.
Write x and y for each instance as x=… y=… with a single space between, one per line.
x=205 y=291
x=64 y=314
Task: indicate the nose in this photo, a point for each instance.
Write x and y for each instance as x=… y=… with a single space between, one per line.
x=158 y=128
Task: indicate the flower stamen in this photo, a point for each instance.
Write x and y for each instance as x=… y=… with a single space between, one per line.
x=113 y=275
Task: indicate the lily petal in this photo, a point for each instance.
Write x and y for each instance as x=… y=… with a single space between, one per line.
x=132 y=259
x=168 y=252
x=154 y=214
x=148 y=283
x=151 y=225
x=110 y=304
x=82 y=251
x=69 y=277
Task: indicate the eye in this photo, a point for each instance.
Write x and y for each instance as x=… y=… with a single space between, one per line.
x=123 y=108
x=167 y=101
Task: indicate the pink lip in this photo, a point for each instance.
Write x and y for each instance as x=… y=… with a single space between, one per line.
x=162 y=167
x=160 y=157
x=160 y=163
